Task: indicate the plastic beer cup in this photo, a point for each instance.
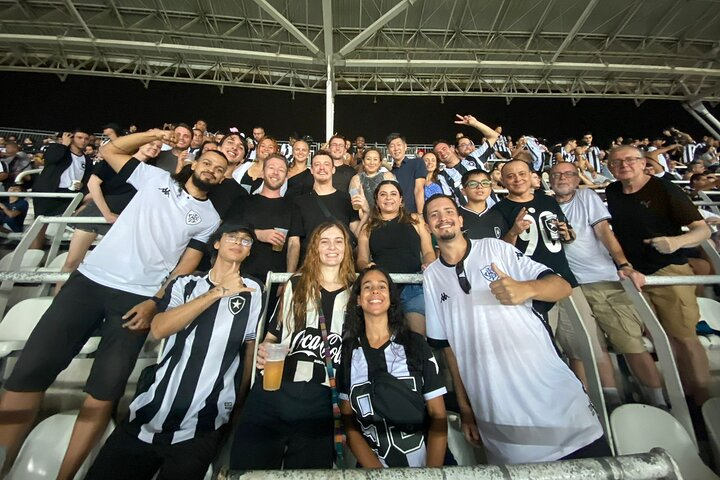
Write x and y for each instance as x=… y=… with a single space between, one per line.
x=278 y=248
x=274 y=363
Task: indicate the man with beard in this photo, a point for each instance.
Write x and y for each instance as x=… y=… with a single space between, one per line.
x=127 y=267
x=343 y=172
x=173 y=160
x=512 y=388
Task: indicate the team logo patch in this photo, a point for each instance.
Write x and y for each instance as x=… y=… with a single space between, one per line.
x=236 y=304
x=489 y=273
x=497 y=232
x=192 y=218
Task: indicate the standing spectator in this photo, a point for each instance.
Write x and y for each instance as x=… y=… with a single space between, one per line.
x=466 y=147
x=396 y=241
x=502 y=144
x=112 y=131
x=110 y=291
x=432 y=180
x=512 y=388
x=648 y=216
x=258 y=133
x=409 y=172
x=224 y=195
x=343 y=172
x=594 y=154
x=359 y=150
x=566 y=153
x=177 y=421
x=377 y=341
x=249 y=174
x=173 y=159
x=365 y=182
x=300 y=179
x=67 y=169
x=293 y=426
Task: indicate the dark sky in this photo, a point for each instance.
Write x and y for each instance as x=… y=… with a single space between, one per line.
x=44 y=102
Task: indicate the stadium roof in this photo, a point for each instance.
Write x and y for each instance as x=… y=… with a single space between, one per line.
x=635 y=49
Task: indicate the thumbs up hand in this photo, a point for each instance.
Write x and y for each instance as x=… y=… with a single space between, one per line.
x=509 y=291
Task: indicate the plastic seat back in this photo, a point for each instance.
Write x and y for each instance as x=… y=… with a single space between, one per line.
x=710 y=312
x=20 y=321
x=711 y=414
x=640 y=428
x=43 y=451
x=30 y=261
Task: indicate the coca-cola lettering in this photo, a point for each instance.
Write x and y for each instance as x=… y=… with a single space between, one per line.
x=309 y=342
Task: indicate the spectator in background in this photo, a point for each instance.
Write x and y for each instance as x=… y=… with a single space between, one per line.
x=12 y=214
x=433 y=184
x=16 y=162
x=698 y=166
x=648 y=214
x=343 y=172
x=365 y=182
x=67 y=169
x=196 y=143
x=173 y=160
x=358 y=151
x=224 y=195
x=249 y=174
x=112 y=131
x=566 y=153
x=409 y=172
x=299 y=179
x=466 y=148
x=257 y=134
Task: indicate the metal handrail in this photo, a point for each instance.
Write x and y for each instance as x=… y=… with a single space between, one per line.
x=26 y=173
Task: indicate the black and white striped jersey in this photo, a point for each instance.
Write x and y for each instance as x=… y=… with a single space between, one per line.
x=593 y=156
x=421 y=373
x=501 y=146
x=691 y=151
x=193 y=388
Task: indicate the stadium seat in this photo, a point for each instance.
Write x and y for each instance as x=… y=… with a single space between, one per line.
x=640 y=428
x=42 y=453
x=30 y=261
x=56 y=264
x=711 y=414
x=710 y=314
x=20 y=321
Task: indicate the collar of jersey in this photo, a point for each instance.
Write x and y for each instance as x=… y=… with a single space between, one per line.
x=467 y=252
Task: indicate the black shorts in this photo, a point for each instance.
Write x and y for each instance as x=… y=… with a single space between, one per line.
x=125 y=456
x=77 y=311
x=52 y=207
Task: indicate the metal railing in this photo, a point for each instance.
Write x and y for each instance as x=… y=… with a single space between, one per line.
x=655 y=465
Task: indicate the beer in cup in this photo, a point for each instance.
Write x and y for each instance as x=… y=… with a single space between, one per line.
x=353 y=192
x=274 y=363
x=278 y=248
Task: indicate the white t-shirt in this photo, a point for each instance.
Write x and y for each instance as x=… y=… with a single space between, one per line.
x=151 y=234
x=75 y=171
x=528 y=405
x=588 y=258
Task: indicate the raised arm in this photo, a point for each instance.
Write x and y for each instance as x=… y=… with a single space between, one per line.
x=117 y=152
x=490 y=134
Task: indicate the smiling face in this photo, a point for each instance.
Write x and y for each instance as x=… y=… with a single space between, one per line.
x=322 y=168
x=516 y=177
x=301 y=151
x=274 y=173
x=337 y=148
x=265 y=148
x=230 y=246
x=564 y=178
x=443 y=219
x=331 y=247
x=397 y=148
x=388 y=199
x=233 y=148
x=208 y=170
x=430 y=160
x=374 y=297
x=151 y=149
x=183 y=136
x=465 y=146
x=371 y=162
x=478 y=187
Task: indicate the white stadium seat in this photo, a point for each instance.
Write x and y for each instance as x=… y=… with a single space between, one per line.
x=30 y=261
x=711 y=414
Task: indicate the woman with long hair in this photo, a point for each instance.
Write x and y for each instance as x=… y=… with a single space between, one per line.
x=109 y=194
x=365 y=182
x=293 y=426
x=377 y=339
x=397 y=241
x=249 y=174
x=432 y=182
x=299 y=178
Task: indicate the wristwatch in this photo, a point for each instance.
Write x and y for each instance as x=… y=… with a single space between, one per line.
x=624 y=265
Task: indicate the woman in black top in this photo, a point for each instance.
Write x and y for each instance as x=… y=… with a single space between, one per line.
x=293 y=426
x=299 y=178
x=398 y=242
x=109 y=195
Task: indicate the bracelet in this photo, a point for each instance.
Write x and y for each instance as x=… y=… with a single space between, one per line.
x=624 y=265
x=155 y=300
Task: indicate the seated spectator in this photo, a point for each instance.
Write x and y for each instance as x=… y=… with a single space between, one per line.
x=365 y=182
x=432 y=180
x=653 y=167
x=109 y=194
x=249 y=174
x=13 y=213
x=175 y=426
x=375 y=327
x=700 y=182
x=398 y=242
x=294 y=427
x=16 y=162
x=695 y=167
x=588 y=176
x=479 y=220
x=496 y=176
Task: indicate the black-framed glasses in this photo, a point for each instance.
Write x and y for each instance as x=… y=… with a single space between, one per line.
x=558 y=175
x=481 y=183
x=462 y=277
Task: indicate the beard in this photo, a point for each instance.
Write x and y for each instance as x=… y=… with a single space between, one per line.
x=201 y=184
x=447 y=235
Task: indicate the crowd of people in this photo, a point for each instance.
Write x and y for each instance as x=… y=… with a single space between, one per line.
x=195 y=221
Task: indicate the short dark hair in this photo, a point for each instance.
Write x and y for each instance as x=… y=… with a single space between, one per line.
x=438 y=196
x=471 y=173
x=320 y=153
x=457 y=140
x=336 y=136
x=74 y=131
x=439 y=141
x=394 y=136
x=183 y=125
x=695 y=177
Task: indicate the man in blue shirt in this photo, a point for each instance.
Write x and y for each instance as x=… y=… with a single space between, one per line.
x=410 y=173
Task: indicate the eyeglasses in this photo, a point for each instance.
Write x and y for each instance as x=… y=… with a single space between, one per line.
x=234 y=238
x=481 y=183
x=462 y=277
x=558 y=175
x=625 y=161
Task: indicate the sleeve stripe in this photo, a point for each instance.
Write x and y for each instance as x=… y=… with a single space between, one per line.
x=434 y=394
x=600 y=220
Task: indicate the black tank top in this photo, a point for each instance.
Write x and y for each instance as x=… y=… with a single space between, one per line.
x=396 y=247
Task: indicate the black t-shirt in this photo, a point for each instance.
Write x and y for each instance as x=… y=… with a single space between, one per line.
x=342 y=176
x=311 y=214
x=226 y=198
x=536 y=242
x=658 y=209
x=487 y=224
x=300 y=184
x=259 y=212
x=113 y=183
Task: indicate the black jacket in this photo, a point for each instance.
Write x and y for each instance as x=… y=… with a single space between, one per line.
x=57 y=160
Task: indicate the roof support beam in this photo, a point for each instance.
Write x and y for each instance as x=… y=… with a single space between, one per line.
x=71 y=6
x=374 y=27
x=634 y=9
x=548 y=5
x=327 y=27
x=576 y=28
x=292 y=29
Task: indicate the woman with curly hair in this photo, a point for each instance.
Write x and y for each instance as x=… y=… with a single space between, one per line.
x=293 y=427
x=397 y=241
x=377 y=341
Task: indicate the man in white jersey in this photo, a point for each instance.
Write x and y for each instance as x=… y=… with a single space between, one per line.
x=598 y=263
x=177 y=418
x=511 y=385
x=125 y=269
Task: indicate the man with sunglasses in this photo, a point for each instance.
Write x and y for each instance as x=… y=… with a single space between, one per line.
x=177 y=418
x=479 y=220
x=648 y=215
x=512 y=388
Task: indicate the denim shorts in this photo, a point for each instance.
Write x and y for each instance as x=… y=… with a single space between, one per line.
x=412 y=299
